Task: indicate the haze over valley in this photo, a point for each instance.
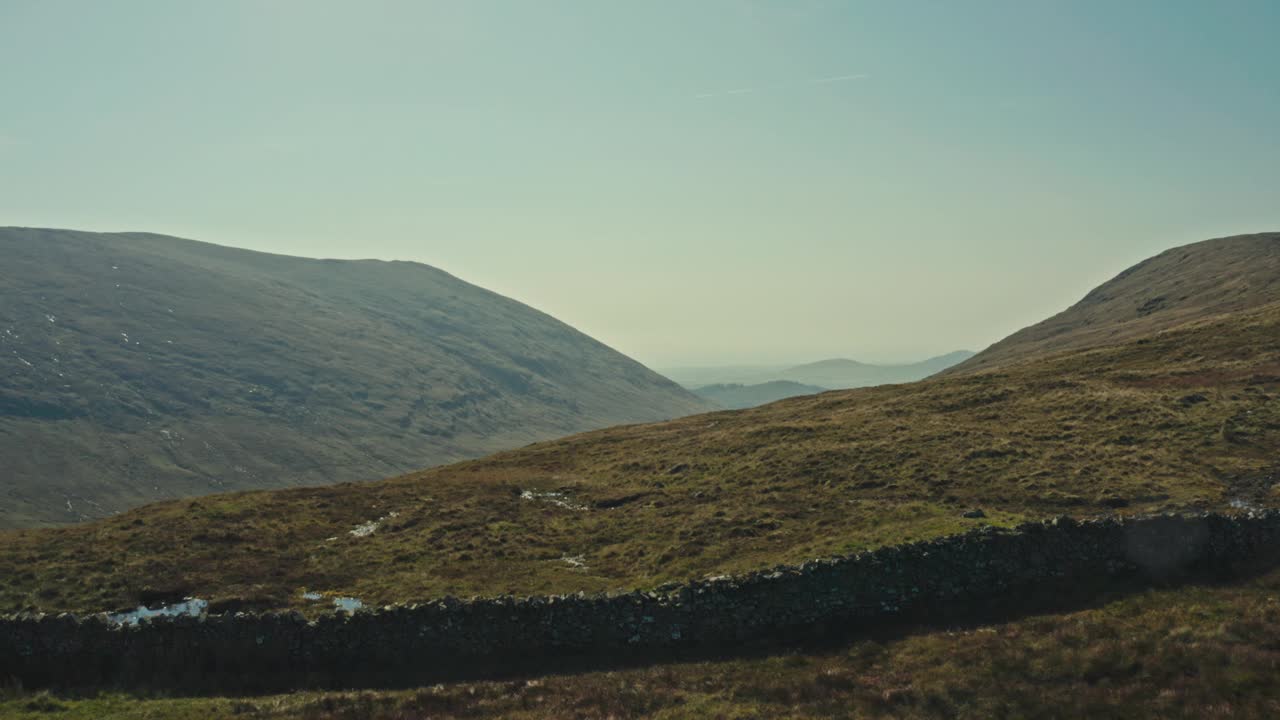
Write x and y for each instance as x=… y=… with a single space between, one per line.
x=740 y=386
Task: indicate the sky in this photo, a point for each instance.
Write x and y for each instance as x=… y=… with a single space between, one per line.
x=693 y=182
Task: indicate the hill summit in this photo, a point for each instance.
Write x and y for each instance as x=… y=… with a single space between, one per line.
x=1185 y=283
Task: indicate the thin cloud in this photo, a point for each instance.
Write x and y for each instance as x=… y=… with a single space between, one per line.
x=839 y=78
x=735 y=91
x=780 y=86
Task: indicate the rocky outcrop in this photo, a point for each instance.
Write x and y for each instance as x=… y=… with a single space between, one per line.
x=450 y=638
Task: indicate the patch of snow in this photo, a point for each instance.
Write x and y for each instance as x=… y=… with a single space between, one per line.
x=367 y=529
x=574 y=561
x=311 y=596
x=554 y=497
x=191 y=607
x=51 y=318
x=1242 y=504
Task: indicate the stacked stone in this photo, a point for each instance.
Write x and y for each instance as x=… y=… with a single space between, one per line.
x=450 y=638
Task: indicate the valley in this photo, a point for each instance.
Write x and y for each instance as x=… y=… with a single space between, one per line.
x=1184 y=419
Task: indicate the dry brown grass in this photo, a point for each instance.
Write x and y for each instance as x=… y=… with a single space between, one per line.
x=1184 y=419
x=1180 y=285
x=1192 y=652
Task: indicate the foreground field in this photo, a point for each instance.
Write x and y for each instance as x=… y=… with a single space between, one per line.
x=1191 y=652
x=1184 y=419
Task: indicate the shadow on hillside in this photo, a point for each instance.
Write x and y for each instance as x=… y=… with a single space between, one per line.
x=1067 y=596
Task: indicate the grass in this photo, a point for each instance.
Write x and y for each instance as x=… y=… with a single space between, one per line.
x=1179 y=285
x=1186 y=419
x=1190 y=652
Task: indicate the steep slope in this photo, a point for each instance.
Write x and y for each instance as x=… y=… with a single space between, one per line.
x=1186 y=419
x=135 y=367
x=734 y=396
x=1182 y=284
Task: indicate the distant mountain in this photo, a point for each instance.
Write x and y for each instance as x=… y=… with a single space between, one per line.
x=735 y=396
x=135 y=367
x=1185 y=283
x=835 y=374
x=840 y=373
x=694 y=377
x=1181 y=419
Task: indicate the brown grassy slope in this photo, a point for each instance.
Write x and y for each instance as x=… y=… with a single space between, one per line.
x=137 y=367
x=1188 y=418
x=1179 y=285
x=1191 y=652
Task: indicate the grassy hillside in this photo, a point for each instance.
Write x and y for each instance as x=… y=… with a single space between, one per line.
x=1191 y=652
x=1181 y=416
x=136 y=367
x=1188 y=418
x=1185 y=283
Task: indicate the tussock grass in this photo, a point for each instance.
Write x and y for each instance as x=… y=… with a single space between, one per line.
x=1190 y=652
x=1185 y=419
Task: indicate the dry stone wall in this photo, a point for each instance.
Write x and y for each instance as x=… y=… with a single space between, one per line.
x=447 y=639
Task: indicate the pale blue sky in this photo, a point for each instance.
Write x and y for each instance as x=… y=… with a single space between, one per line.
x=691 y=182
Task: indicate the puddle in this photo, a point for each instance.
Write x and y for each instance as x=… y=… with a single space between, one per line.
x=191 y=607
x=347 y=603
x=554 y=497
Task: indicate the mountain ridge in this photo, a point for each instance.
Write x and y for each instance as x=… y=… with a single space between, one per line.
x=1181 y=284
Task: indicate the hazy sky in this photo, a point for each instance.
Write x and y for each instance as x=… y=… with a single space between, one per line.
x=692 y=181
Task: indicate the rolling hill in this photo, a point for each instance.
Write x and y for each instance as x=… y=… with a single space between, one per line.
x=836 y=373
x=1185 y=283
x=735 y=396
x=840 y=373
x=136 y=367
x=1183 y=417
